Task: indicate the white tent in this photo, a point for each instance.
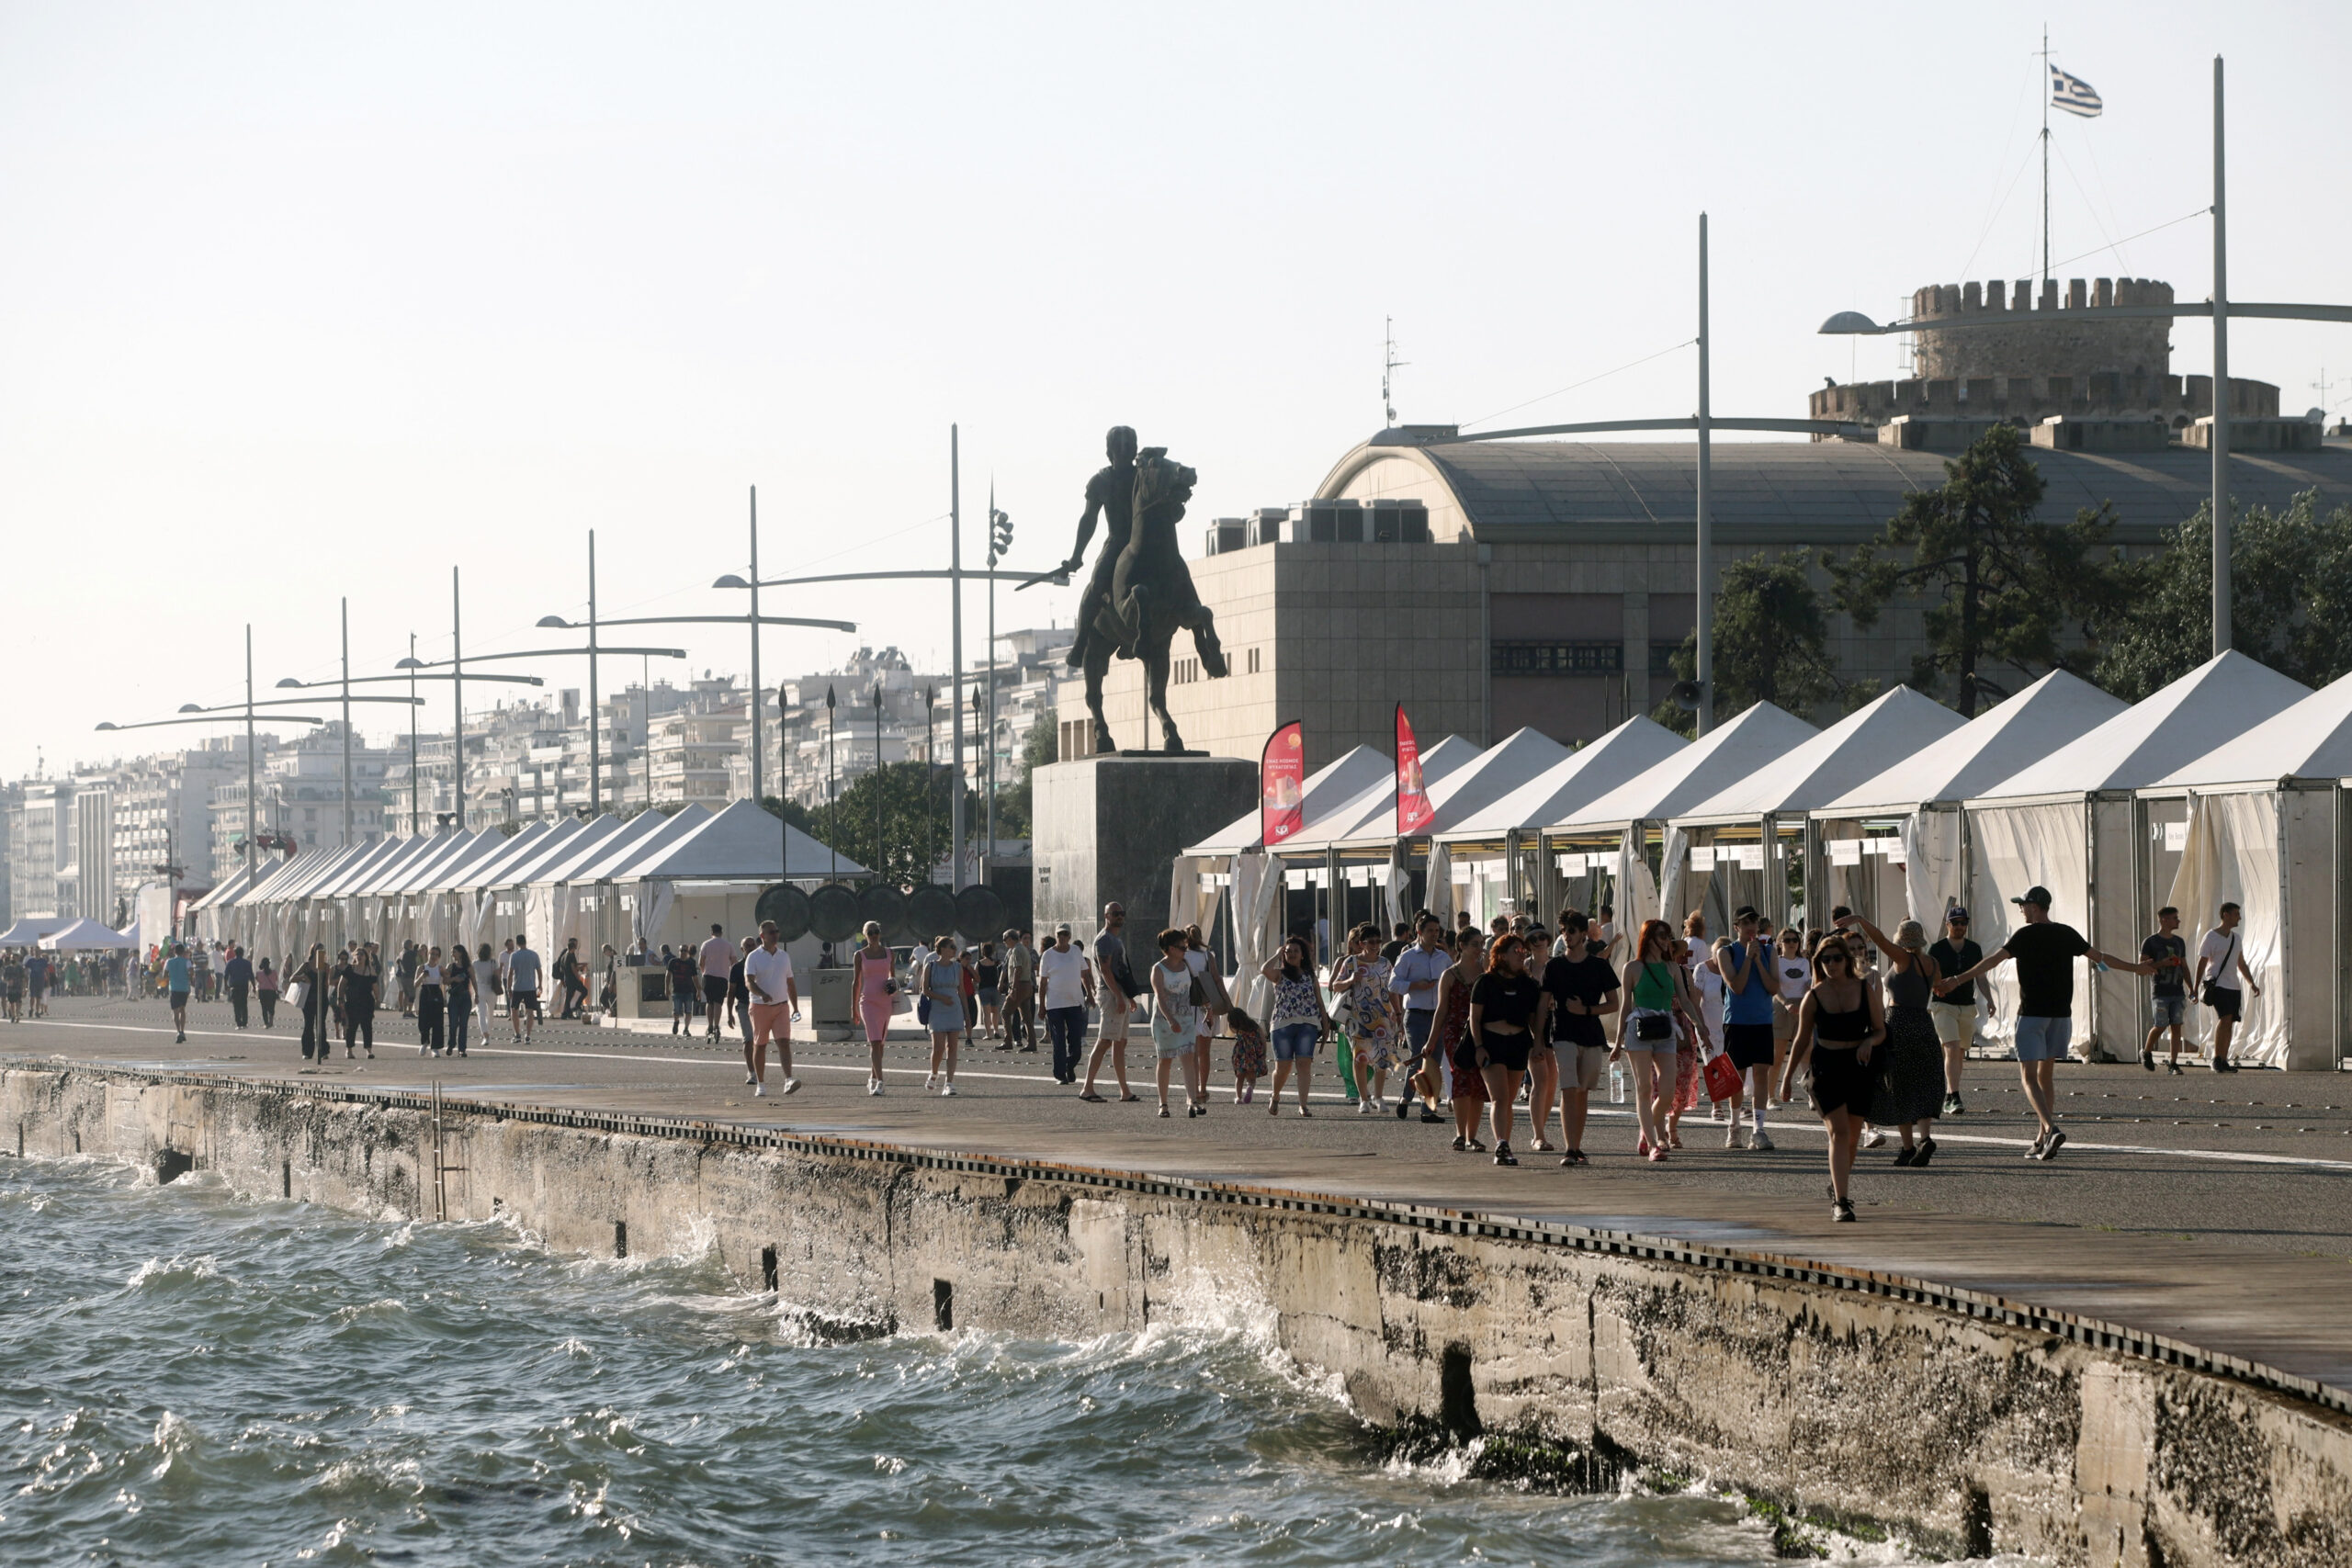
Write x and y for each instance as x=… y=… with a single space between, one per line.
x=2071 y=823
x=676 y=888
x=86 y=936
x=1738 y=843
x=1576 y=780
x=1618 y=825
x=1371 y=817
x=1323 y=794
x=2255 y=822
x=1894 y=845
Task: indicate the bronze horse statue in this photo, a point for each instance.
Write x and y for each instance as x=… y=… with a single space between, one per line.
x=1136 y=607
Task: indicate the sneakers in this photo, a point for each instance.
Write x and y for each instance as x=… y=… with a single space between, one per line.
x=1842 y=1211
x=1404 y=1106
x=759 y=1092
x=947 y=1090
x=874 y=1085
x=748 y=1078
x=930 y=1082
x=1731 y=1136
x=2052 y=1145
x=2035 y=1152
x=1503 y=1155
x=2148 y=1060
x=1906 y=1155
x=1759 y=1139
x=1875 y=1139
x=2174 y=1068
x=1363 y=1108
x=1926 y=1153
x=1952 y=1107
x=792 y=1085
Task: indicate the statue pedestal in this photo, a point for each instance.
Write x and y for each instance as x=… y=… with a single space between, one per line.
x=1109 y=828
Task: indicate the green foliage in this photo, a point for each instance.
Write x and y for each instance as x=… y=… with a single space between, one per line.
x=1015 y=810
x=2002 y=590
x=2291 y=600
x=1771 y=643
x=909 y=803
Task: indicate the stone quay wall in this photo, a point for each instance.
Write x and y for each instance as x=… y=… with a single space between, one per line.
x=1563 y=1355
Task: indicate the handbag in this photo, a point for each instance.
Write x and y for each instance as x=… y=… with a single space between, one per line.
x=1654 y=1026
x=1722 y=1079
x=922 y=1011
x=2206 y=993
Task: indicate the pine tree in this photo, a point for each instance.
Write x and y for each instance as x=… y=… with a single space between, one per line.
x=1771 y=643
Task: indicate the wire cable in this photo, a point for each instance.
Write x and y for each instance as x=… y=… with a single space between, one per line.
x=1588 y=381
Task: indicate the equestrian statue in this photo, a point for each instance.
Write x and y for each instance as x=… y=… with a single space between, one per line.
x=1141 y=591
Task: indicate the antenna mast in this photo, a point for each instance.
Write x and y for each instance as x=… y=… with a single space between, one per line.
x=1389 y=365
x=2045 y=154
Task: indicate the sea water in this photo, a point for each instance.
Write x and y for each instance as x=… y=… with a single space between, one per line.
x=191 y=1377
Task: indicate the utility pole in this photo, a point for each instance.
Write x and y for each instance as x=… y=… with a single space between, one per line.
x=1705 y=552
x=457 y=696
x=999 y=541
x=347 y=723
x=876 y=867
x=252 y=772
x=955 y=678
x=2221 y=385
x=832 y=727
x=412 y=809
x=757 y=696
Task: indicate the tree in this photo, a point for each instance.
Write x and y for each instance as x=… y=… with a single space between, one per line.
x=2002 y=589
x=2291 y=600
x=911 y=800
x=1015 y=803
x=1771 y=643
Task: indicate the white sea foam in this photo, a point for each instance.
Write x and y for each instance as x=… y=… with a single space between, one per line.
x=165 y=1271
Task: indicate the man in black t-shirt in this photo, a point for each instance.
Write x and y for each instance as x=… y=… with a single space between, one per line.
x=1955 y=1015
x=2168 y=951
x=2046 y=953
x=1582 y=991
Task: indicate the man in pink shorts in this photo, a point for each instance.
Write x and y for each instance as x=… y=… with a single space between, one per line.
x=767 y=974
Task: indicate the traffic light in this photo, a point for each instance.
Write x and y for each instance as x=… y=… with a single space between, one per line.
x=1000 y=537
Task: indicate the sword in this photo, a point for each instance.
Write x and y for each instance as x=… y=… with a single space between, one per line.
x=1058 y=577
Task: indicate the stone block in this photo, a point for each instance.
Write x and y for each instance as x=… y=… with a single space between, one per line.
x=1108 y=828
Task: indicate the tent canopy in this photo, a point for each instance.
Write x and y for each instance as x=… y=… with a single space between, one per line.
x=2311 y=740
x=86 y=936
x=741 y=842
x=1324 y=792
x=1372 y=815
x=2215 y=702
x=2010 y=736
x=1818 y=770
x=1590 y=771
x=31 y=928
x=1700 y=771
x=1494 y=773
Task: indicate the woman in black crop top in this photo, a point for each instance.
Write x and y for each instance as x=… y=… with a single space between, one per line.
x=1838 y=1027
x=1506 y=1007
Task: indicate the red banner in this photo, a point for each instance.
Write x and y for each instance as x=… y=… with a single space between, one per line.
x=1413 y=809
x=1282 y=785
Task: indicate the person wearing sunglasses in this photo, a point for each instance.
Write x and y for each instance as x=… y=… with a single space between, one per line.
x=1838 y=1028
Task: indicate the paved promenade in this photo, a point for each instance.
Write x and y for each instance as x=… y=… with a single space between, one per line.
x=2213 y=1210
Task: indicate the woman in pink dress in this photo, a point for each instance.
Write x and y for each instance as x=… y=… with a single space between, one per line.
x=873 y=998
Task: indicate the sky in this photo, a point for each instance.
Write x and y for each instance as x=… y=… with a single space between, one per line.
x=301 y=303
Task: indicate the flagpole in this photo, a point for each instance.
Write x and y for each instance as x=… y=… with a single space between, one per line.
x=2045 y=155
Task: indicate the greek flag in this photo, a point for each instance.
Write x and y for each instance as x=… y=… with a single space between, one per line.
x=2074 y=95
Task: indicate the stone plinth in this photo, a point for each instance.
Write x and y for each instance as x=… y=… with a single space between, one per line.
x=1109 y=828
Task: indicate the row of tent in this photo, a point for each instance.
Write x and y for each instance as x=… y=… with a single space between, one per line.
x=2229 y=784
x=598 y=880
x=64 y=934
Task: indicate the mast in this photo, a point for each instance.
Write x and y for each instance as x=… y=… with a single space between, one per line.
x=2045 y=155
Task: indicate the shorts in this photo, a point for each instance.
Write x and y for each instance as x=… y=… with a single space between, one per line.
x=1115 y=1023
x=987 y=995
x=1840 y=1082
x=2043 y=1039
x=1748 y=1045
x=1955 y=1021
x=2228 y=1001
x=15 y=993
x=517 y=1002
x=1633 y=1041
x=714 y=990
x=2169 y=1012
x=771 y=1020
x=179 y=1000
x=1295 y=1041
x=1506 y=1051
x=1784 y=1021
x=1590 y=1066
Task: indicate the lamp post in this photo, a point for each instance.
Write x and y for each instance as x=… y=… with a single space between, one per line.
x=876 y=867
x=1000 y=542
x=955 y=657
x=980 y=726
x=930 y=766
x=1704 y=550
x=412 y=671
x=832 y=729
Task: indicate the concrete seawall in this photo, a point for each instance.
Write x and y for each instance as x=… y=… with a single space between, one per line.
x=1967 y=1422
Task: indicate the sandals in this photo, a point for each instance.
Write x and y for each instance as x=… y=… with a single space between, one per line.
x=1092 y=1099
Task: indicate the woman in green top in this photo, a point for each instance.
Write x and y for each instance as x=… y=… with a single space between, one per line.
x=1658 y=989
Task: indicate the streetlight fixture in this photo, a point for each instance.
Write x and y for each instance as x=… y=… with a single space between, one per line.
x=412 y=672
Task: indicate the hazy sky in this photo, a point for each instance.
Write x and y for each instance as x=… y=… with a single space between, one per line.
x=302 y=301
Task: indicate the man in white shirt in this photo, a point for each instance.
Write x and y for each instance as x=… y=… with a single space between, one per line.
x=2221 y=965
x=767 y=974
x=715 y=959
x=1066 y=984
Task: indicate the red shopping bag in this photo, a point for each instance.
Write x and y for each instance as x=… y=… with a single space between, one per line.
x=1722 y=1079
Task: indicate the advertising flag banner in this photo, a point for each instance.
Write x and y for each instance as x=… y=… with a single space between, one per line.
x=1282 y=785
x=1413 y=809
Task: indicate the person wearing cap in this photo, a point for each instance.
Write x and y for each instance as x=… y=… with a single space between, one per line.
x=2167 y=951
x=1955 y=1014
x=2045 y=951
x=1119 y=994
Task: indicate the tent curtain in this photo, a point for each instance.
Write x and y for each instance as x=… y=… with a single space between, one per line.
x=1675 y=872
x=2232 y=856
x=1440 y=884
x=2015 y=848
x=1932 y=871
x=1256 y=887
